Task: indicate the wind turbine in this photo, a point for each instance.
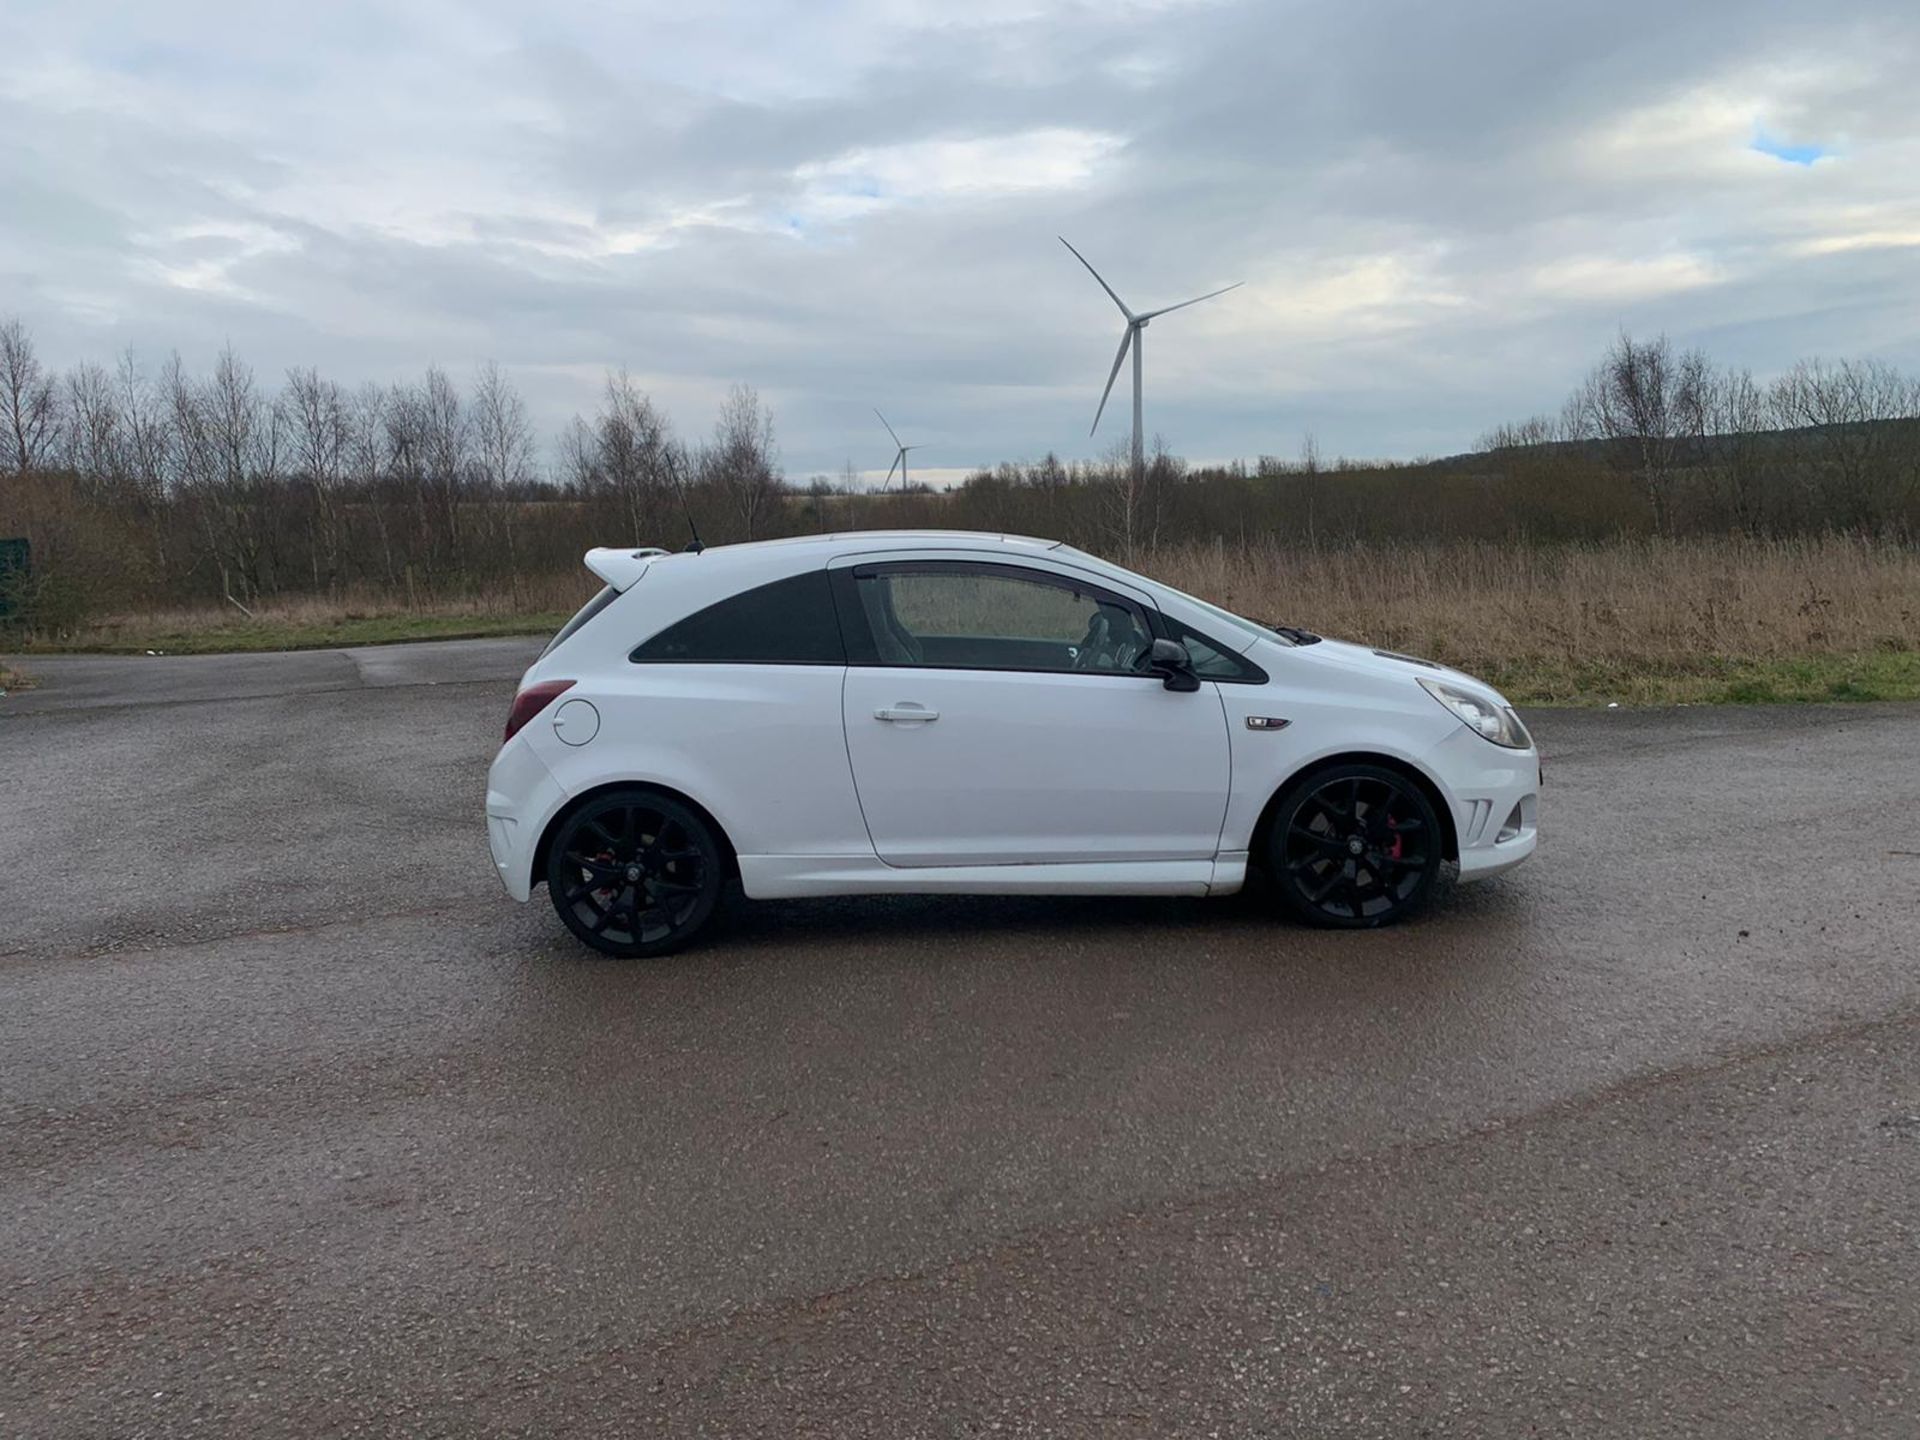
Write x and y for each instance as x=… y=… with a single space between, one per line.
x=1135 y=335
x=899 y=458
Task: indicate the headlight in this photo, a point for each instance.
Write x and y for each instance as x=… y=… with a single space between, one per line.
x=1489 y=721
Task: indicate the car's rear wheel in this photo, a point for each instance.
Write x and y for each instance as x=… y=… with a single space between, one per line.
x=1354 y=846
x=635 y=873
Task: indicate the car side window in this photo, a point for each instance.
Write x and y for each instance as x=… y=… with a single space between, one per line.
x=788 y=622
x=1214 y=661
x=994 y=617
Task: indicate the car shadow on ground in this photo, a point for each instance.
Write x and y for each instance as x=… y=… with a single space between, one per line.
x=1149 y=919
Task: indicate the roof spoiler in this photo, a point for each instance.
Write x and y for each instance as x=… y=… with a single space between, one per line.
x=621 y=568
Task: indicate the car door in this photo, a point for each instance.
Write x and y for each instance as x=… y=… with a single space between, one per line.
x=996 y=714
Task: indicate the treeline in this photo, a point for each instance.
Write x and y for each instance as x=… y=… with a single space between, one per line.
x=1653 y=441
x=166 y=487
x=1829 y=445
x=143 y=487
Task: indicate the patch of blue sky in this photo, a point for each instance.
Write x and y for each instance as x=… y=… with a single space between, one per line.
x=1786 y=151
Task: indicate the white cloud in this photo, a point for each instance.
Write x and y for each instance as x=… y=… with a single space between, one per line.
x=869 y=178
x=1840 y=244
x=1607 y=277
x=203 y=255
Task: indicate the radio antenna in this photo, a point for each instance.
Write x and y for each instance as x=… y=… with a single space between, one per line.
x=694 y=547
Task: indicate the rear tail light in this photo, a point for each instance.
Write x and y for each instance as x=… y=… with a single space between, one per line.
x=531 y=701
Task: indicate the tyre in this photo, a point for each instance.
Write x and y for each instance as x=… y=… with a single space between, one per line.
x=1354 y=847
x=634 y=873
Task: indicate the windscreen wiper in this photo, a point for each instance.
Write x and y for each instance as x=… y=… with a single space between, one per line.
x=1295 y=634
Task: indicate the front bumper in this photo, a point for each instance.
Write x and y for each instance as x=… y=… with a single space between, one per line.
x=1495 y=796
x=522 y=797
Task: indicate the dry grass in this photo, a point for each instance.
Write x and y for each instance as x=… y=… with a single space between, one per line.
x=1634 y=621
x=1668 y=600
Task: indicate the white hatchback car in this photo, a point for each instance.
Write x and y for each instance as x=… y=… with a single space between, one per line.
x=962 y=713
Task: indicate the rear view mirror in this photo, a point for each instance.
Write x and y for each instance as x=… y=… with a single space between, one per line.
x=1169 y=660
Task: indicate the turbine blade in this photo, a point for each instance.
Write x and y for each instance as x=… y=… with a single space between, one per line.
x=1195 y=301
x=883 y=421
x=890 y=469
x=1096 y=275
x=1125 y=341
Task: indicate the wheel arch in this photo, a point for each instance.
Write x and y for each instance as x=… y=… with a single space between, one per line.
x=728 y=855
x=1450 y=838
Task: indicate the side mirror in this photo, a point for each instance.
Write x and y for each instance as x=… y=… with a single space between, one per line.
x=1169 y=660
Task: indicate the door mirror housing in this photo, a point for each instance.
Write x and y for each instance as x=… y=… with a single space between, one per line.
x=1169 y=660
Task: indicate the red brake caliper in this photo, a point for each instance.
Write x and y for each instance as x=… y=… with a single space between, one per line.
x=1394 y=853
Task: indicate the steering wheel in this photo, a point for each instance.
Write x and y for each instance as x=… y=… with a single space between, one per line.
x=1086 y=653
x=1109 y=644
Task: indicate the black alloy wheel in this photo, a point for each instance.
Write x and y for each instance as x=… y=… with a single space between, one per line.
x=634 y=873
x=1354 y=847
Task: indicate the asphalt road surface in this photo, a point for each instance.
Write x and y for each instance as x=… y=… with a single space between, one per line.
x=306 y=1130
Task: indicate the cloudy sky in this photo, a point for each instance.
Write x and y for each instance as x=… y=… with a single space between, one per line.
x=1441 y=211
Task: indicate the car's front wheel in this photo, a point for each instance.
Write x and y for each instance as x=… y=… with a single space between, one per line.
x=635 y=873
x=1354 y=846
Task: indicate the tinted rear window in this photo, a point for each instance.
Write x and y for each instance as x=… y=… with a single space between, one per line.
x=587 y=611
x=790 y=622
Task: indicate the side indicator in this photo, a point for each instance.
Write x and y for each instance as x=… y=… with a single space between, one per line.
x=1267 y=722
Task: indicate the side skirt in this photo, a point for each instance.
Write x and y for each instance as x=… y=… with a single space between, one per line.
x=779 y=877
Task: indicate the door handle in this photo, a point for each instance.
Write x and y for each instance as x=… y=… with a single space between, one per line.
x=906 y=711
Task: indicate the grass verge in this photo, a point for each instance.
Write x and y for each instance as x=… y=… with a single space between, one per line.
x=131 y=636
x=1709 y=680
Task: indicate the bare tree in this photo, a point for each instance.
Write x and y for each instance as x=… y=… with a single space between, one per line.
x=422 y=424
x=438 y=440
x=367 y=464
x=146 y=443
x=1310 y=483
x=191 y=459
x=1523 y=434
x=1653 y=400
x=1738 y=414
x=91 y=437
x=243 y=427
x=147 y=439
x=321 y=437
x=1858 y=451
x=1121 y=489
x=1164 y=471
x=503 y=441
x=403 y=423
x=626 y=456
x=29 y=407
x=193 y=466
x=503 y=453
x=740 y=464
x=242 y=440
